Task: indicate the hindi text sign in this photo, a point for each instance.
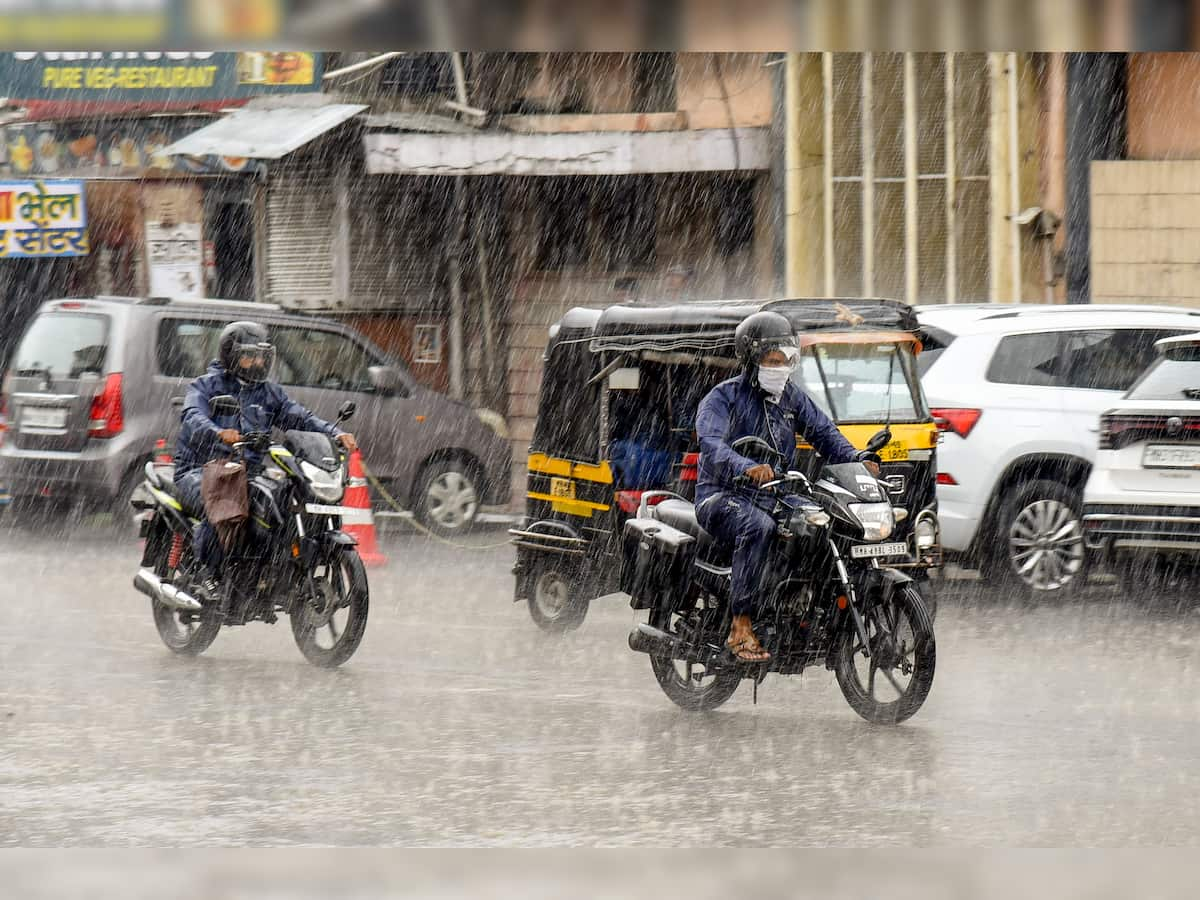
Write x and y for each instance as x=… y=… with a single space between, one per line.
x=42 y=218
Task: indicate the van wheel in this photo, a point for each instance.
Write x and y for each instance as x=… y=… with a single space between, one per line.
x=558 y=602
x=1039 y=542
x=447 y=497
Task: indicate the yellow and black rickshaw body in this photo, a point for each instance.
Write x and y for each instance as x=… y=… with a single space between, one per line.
x=569 y=541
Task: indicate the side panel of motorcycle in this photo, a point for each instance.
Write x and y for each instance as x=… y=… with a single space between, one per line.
x=656 y=563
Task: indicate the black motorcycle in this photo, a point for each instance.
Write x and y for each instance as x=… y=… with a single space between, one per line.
x=291 y=555
x=827 y=596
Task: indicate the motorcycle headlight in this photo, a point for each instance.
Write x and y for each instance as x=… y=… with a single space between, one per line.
x=877 y=519
x=327 y=486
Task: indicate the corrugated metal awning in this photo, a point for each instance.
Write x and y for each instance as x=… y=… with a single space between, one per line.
x=258 y=133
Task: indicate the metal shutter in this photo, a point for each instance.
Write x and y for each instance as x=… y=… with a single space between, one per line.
x=299 y=244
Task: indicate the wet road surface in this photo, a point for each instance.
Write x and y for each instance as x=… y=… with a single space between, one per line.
x=459 y=723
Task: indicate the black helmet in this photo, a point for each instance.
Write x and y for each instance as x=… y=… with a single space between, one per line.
x=245 y=350
x=760 y=333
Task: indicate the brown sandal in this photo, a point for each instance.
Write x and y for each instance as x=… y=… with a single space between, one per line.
x=749 y=650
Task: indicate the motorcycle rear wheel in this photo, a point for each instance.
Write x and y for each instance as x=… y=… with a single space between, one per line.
x=690 y=685
x=329 y=634
x=185 y=633
x=911 y=655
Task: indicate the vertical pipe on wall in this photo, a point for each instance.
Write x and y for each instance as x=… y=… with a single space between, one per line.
x=827 y=169
x=868 y=175
x=951 y=185
x=912 y=235
x=1014 y=178
x=791 y=157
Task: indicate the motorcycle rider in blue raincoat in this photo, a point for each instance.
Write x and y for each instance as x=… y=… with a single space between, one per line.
x=762 y=402
x=245 y=357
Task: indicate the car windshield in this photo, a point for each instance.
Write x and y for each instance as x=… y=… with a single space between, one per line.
x=63 y=345
x=862 y=382
x=1171 y=378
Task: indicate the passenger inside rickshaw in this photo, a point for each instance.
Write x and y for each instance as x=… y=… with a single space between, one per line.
x=652 y=413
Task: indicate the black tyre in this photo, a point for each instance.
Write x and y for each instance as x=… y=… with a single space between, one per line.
x=185 y=633
x=558 y=600
x=329 y=627
x=691 y=685
x=1039 y=550
x=890 y=684
x=447 y=497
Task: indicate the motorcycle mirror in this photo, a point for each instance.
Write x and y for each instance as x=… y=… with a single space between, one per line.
x=224 y=405
x=880 y=440
x=346 y=410
x=177 y=402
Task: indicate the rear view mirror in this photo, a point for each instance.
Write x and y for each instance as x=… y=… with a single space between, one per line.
x=880 y=440
x=387 y=380
x=346 y=410
x=177 y=402
x=224 y=405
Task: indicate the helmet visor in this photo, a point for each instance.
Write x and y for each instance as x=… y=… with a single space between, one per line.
x=780 y=354
x=253 y=362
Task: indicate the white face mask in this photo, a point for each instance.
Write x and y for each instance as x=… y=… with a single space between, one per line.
x=773 y=379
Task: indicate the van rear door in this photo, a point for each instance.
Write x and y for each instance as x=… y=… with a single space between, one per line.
x=59 y=370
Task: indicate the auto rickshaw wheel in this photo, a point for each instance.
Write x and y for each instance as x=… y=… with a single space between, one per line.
x=558 y=600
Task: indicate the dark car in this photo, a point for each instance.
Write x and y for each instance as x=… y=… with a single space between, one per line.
x=89 y=391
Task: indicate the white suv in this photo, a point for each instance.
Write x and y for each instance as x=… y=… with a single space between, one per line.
x=1143 y=499
x=1018 y=391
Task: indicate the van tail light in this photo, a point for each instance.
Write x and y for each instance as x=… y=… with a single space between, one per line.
x=959 y=421
x=107 y=417
x=946 y=478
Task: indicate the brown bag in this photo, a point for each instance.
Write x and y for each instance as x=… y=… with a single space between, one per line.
x=225 y=490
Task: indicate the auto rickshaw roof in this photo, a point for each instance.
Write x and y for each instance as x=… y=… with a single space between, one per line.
x=710 y=326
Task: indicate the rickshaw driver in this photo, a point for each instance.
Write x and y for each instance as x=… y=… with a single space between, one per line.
x=761 y=402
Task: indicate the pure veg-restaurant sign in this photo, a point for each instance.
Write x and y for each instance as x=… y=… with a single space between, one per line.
x=185 y=75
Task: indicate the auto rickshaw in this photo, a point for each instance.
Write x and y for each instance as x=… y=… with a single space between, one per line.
x=620 y=391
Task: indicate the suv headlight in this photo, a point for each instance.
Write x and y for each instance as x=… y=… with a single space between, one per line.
x=327 y=486
x=877 y=519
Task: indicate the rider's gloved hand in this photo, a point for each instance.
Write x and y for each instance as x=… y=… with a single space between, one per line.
x=760 y=474
x=229 y=436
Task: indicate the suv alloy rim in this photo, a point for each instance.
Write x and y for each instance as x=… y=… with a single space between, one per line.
x=1046 y=545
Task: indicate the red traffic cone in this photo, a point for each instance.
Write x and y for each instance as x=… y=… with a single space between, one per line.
x=360 y=522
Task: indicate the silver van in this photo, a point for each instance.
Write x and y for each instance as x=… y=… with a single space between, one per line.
x=89 y=392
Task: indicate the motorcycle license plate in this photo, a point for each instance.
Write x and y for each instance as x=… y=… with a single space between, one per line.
x=873 y=551
x=324 y=510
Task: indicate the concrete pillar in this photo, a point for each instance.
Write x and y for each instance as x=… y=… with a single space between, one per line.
x=1096 y=108
x=804 y=99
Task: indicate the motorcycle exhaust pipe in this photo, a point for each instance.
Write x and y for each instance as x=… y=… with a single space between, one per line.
x=166 y=594
x=647 y=639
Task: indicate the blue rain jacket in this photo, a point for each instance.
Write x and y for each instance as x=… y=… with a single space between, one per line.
x=736 y=409
x=264 y=407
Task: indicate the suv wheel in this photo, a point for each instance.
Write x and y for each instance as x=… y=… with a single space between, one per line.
x=447 y=497
x=1039 y=545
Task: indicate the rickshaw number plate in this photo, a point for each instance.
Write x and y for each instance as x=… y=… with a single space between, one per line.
x=894 y=452
x=562 y=487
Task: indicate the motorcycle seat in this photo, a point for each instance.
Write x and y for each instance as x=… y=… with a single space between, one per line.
x=682 y=515
x=167 y=486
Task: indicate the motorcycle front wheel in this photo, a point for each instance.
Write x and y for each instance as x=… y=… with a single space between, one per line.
x=887 y=681
x=329 y=626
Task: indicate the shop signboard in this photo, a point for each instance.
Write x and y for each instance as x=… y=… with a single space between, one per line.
x=106 y=147
x=150 y=77
x=42 y=218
